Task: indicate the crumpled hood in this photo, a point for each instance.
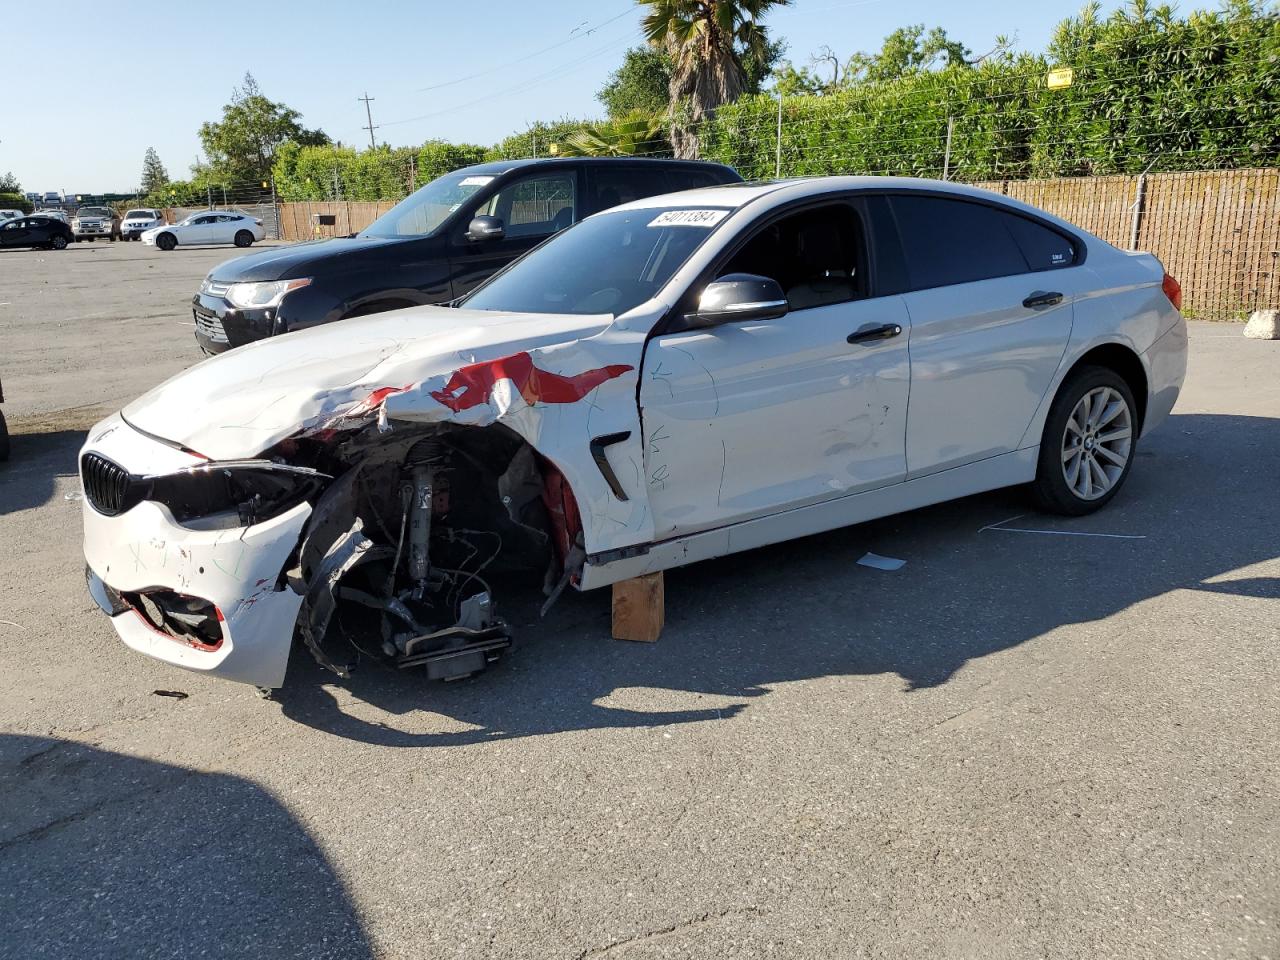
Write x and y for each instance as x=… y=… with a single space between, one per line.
x=242 y=402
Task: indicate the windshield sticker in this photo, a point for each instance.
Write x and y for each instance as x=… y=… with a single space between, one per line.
x=688 y=218
x=474 y=181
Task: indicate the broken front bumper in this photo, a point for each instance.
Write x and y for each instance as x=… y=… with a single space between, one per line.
x=142 y=558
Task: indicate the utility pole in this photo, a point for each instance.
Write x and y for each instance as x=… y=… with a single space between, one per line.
x=368 y=112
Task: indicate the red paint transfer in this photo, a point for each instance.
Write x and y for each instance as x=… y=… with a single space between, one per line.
x=370 y=403
x=473 y=385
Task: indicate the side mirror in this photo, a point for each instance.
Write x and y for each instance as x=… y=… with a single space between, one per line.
x=740 y=296
x=486 y=228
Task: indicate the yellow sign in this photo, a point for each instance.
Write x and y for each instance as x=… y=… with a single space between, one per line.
x=1061 y=77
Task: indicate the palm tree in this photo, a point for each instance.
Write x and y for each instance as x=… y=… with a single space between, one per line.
x=706 y=40
x=634 y=135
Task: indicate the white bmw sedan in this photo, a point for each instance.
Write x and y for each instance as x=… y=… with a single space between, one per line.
x=207 y=228
x=678 y=378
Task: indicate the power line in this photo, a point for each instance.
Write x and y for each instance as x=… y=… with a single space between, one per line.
x=574 y=34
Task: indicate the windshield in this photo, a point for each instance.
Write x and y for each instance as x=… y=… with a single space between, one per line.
x=94 y=212
x=420 y=214
x=140 y=215
x=608 y=263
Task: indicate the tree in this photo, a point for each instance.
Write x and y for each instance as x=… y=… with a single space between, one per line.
x=154 y=175
x=706 y=41
x=906 y=51
x=640 y=84
x=9 y=184
x=637 y=135
x=242 y=147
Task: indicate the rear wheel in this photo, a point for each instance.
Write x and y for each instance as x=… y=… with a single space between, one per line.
x=166 y=241
x=59 y=242
x=1089 y=442
x=243 y=238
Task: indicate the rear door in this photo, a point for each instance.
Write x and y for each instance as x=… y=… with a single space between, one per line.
x=990 y=294
x=532 y=208
x=608 y=185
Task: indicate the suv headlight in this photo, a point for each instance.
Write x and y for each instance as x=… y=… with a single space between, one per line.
x=267 y=293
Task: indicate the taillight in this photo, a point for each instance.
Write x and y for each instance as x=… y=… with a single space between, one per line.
x=1173 y=290
x=258 y=222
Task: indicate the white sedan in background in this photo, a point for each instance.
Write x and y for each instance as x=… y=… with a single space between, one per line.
x=209 y=227
x=678 y=378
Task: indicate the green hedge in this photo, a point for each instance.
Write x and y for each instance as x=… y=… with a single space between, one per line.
x=1187 y=94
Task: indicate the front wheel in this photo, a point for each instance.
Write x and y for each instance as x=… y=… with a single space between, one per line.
x=1089 y=442
x=243 y=238
x=58 y=243
x=166 y=241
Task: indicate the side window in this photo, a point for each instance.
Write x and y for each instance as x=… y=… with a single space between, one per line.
x=608 y=186
x=536 y=206
x=1044 y=248
x=954 y=241
x=15 y=224
x=817 y=256
x=692 y=179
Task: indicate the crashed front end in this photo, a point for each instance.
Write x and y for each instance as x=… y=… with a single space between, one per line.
x=356 y=533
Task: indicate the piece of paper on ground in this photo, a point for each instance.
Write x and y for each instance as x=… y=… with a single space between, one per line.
x=877 y=562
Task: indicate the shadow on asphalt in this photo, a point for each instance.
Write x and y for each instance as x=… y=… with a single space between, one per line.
x=142 y=859
x=803 y=609
x=36 y=460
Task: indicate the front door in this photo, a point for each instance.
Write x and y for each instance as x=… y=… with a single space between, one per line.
x=531 y=209
x=746 y=419
x=15 y=233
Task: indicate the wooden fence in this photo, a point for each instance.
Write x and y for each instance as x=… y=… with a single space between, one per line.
x=1217 y=231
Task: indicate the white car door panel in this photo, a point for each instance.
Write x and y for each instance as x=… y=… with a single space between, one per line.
x=980 y=365
x=991 y=295
x=747 y=419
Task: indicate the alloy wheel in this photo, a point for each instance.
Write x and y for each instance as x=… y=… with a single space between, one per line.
x=1096 y=443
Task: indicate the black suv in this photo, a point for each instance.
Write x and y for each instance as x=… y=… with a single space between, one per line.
x=432 y=247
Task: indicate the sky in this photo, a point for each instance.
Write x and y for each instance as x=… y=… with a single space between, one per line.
x=474 y=71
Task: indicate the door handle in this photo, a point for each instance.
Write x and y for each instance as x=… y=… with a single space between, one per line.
x=1042 y=299
x=883 y=331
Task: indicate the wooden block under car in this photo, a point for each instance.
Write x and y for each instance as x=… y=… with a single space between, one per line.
x=639 y=608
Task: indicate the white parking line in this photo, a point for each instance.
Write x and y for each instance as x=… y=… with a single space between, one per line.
x=1057 y=533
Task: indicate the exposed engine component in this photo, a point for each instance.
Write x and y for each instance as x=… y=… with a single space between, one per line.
x=399 y=546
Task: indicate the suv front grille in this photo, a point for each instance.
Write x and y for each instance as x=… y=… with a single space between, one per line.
x=106 y=484
x=210 y=327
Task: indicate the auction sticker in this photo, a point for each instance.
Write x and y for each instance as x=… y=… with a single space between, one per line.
x=474 y=181
x=688 y=218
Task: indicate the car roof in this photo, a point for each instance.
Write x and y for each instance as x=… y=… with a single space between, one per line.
x=498 y=167
x=734 y=195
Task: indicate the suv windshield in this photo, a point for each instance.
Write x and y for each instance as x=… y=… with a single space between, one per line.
x=608 y=263
x=140 y=215
x=94 y=212
x=420 y=214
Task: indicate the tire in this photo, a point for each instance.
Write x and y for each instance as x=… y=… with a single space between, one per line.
x=1085 y=461
x=166 y=241
x=4 y=438
x=59 y=242
x=243 y=238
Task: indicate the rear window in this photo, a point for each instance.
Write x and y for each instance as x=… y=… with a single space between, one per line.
x=1044 y=247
